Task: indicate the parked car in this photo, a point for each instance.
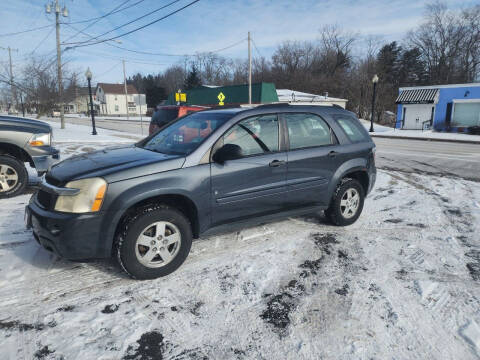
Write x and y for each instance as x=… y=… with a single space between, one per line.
x=145 y=202
x=23 y=141
x=164 y=115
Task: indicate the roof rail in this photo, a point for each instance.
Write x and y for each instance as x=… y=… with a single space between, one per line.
x=273 y=105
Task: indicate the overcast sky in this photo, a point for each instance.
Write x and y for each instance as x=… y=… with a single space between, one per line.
x=205 y=26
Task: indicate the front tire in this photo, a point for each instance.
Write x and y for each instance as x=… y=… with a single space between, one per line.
x=13 y=177
x=154 y=242
x=347 y=203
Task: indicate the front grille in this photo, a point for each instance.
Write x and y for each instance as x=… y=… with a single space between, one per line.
x=46 y=200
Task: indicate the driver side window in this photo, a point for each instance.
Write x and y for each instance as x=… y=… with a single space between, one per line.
x=255 y=136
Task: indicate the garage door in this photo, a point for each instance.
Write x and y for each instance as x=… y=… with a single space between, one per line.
x=466 y=114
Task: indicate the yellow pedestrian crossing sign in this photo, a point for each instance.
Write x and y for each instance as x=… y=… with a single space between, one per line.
x=221 y=97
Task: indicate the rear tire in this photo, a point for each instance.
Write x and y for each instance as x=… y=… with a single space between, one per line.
x=347 y=203
x=154 y=242
x=13 y=177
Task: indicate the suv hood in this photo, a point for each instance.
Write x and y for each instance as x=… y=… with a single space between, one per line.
x=114 y=164
x=24 y=124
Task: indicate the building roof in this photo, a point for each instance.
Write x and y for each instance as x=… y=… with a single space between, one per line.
x=117 y=88
x=418 y=96
x=287 y=95
x=440 y=86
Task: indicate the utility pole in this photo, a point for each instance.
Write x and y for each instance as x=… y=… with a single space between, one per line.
x=249 y=70
x=14 y=95
x=12 y=85
x=59 y=55
x=125 y=86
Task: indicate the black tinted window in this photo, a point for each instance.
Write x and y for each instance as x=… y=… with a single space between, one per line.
x=307 y=130
x=352 y=127
x=255 y=135
x=162 y=117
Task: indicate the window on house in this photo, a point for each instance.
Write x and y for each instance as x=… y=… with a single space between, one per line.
x=466 y=114
x=116 y=108
x=116 y=98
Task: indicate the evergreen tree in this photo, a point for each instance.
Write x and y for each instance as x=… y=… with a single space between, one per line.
x=193 y=79
x=412 y=68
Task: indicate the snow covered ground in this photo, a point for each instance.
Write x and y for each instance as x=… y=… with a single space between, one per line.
x=385 y=131
x=138 y=118
x=401 y=283
x=83 y=134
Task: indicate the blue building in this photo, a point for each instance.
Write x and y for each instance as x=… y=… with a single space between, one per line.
x=453 y=107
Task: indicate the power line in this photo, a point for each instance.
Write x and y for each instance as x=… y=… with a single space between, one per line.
x=139 y=28
x=108 y=71
x=256 y=49
x=161 y=54
x=114 y=11
x=97 y=20
x=127 y=23
x=25 y=31
x=42 y=41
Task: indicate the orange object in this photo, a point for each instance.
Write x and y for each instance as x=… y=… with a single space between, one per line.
x=97 y=204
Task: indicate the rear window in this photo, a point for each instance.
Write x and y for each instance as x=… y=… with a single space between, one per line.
x=352 y=127
x=162 y=117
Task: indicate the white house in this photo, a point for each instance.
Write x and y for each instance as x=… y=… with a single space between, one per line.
x=111 y=98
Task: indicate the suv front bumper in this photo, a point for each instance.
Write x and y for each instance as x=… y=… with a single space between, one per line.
x=70 y=236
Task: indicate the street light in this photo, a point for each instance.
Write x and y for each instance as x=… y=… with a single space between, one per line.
x=88 y=74
x=374 y=81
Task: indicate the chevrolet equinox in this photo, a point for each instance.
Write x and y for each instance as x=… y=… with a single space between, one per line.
x=144 y=203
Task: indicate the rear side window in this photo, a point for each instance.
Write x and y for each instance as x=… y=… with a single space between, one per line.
x=162 y=117
x=352 y=127
x=307 y=130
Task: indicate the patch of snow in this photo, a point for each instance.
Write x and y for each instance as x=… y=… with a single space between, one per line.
x=380 y=131
x=83 y=134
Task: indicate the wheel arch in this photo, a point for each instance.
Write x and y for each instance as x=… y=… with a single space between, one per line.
x=15 y=151
x=180 y=202
x=355 y=169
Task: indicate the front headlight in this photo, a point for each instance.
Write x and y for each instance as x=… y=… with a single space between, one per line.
x=40 y=140
x=89 y=199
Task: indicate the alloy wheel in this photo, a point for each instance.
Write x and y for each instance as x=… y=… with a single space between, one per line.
x=349 y=203
x=158 y=244
x=8 y=178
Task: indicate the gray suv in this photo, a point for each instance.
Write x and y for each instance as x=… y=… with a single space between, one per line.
x=145 y=203
x=23 y=141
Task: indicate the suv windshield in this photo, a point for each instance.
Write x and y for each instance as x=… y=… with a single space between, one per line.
x=185 y=135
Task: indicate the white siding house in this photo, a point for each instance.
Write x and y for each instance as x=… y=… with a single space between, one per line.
x=111 y=98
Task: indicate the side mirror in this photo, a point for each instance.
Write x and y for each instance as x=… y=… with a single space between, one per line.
x=227 y=152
